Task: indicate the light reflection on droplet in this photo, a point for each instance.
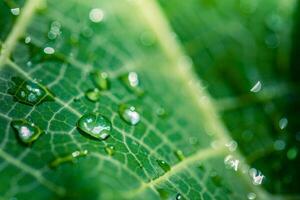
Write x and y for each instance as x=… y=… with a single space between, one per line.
x=283 y=122
x=231 y=162
x=27 y=40
x=15 y=11
x=251 y=195
x=232 y=145
x=256 y=87
x=256 y=176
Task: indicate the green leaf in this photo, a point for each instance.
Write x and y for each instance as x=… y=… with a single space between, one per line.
x=60 y=45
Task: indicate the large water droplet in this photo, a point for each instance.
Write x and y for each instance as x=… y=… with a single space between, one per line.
x=256 y=87
x=179 y=154
x=95 y=125
x=256 y=176
x=68 y=158
x=129 y=114
x=93 y=94
x=15 y=11
x=110 y=150
x=49 y=50
x=27 y=131
x=231 y=162
x=164 y=165
x=96 y=15
x=29 y=92
x=101 y=80
x=283 y=122
x=132 y=83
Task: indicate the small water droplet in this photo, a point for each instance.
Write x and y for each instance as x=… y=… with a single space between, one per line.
x=256 y=87
x=100 y=80
x=27 y=131
x=93 y=94
x=68 y=158
x=96 y=15
x=251 y=195
x=256 y=176
x=232 y=145
x=178 y=197
x=129 y=114
x=231 y=162
x=95 y=125
x=27 y=40
x=292 y=153
x=15 y=11
x=279 y=145
x=29 y=92
x=132 y=83
x=283 y=122
x=49 y=50
x=110 y=150
x=164 y=165
x=179 y=154
x=54 y=30
x=161 y=112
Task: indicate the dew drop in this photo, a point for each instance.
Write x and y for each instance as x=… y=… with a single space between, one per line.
x=232 y=145
x=15 y=11
x=95 y=125
x=164 y=165
x=100 y=80
x=93 y=94
x=251 y=195
x=132 y=83
x=49 y=50
x=231 y=162
x=129 y=114
x=27 y=40
x=256 y=176
x=68 y=158
x=96 y=15
x=178 y=196
x=179 y=154
x=29 y=92
x=110 y=149
x=292 y=153
x=27 y=131
x=161 y=112
x=256 y=87
x=283 y=122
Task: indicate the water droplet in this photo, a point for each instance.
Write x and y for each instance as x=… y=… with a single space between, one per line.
x=178 y=197
x=283 y=122
x=95 y=125
x=292 y=153
x=96 y=15
x=110 y=150
x=164 y=165
x=93 y=94
x=256 y=176
x=256 y=87
x=132 y=83
x=179 y=154
x=54 y=30
x=251 y=195
x=29 y=63
x=101 y=80
x=27 y=40
x=231 y=162
x=27 y=131
x=49 y=50
x=161 y=112
x=232 y=145
x=15 y=11
x=68 y=158
x=129 y=114
x=29 y=92
x=279 y=145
